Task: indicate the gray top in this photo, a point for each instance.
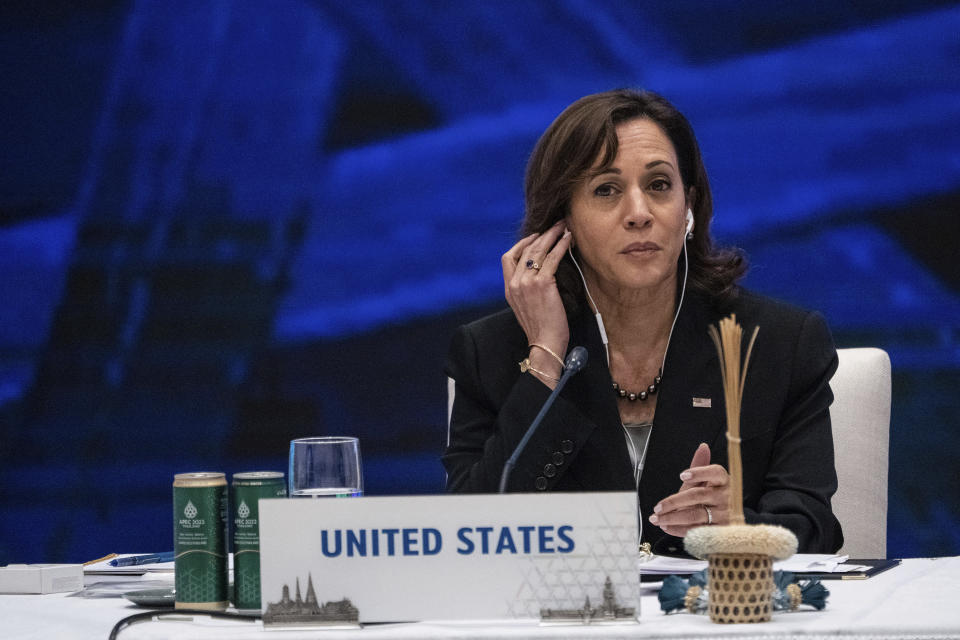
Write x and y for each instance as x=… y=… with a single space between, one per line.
x=638 y=437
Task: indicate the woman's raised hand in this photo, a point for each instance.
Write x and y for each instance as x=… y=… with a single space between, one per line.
x=530 y=286
x=703 y=497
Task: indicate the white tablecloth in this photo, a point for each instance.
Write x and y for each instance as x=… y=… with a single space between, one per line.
x=919 y=599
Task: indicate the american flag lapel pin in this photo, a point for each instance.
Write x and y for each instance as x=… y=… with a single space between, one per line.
x=702 y=403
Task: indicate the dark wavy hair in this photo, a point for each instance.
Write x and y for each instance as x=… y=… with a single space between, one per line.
x=570 y=146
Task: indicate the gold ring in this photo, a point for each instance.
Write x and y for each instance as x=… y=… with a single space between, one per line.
x=533 y=265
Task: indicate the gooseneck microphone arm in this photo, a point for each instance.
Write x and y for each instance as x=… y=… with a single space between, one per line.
x=575 y=361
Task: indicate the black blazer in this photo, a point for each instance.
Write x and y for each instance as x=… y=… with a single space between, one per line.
x=787 y=446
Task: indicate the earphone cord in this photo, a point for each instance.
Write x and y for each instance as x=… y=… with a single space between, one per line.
x=683 y=290
x=596 y=309
x=606 y=347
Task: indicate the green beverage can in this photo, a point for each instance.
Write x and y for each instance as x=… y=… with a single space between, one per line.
x=248 y=488
x=200 y=540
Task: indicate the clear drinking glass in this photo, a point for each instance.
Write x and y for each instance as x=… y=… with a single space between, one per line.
x=325 y=467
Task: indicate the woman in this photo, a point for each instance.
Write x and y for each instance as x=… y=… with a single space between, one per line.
x=617 y=256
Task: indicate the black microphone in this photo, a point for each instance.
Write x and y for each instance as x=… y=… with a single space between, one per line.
x=576 y=360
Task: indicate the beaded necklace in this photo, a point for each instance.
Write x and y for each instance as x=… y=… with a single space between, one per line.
x=642 y=395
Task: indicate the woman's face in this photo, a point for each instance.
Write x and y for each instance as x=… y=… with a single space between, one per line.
x=628 y=221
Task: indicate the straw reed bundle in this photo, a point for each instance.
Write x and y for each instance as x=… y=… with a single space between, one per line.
x=740 y=556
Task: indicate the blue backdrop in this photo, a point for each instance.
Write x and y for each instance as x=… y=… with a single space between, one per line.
x=227 y=223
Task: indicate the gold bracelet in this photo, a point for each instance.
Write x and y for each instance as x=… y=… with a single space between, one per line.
x=548 y=350
x=525 y=366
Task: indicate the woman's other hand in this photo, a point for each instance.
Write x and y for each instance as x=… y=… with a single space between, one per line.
x=530 y=286
x=703 y=497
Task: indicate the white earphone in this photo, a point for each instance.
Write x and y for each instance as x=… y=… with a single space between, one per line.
x=689 y=223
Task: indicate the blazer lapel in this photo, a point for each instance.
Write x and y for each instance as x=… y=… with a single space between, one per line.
x=605 y=452
x=691 y=380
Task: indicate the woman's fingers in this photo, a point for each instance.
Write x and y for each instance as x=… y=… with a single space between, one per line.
x=541 y=246
x=681 y=522
x=713 y=475
x=511 y=258
x=534 y=247
x=710 y=496
x=694 y=516
x=701 y=458
x=688 y=508
x=677 y=523
x=552 y=260
x=531 y=291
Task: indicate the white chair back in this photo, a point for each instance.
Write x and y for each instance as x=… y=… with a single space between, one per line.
x=860 y=415
x=451 y=391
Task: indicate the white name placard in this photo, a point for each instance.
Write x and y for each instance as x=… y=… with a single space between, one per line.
x=557 y=557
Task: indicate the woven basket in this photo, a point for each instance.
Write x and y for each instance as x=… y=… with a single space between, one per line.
x=740 y=562
x=740 y=586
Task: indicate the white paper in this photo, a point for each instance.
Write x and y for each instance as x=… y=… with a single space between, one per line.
x=665 y=565
x=797 y=563
x=818 y=562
